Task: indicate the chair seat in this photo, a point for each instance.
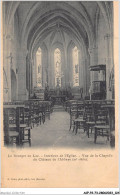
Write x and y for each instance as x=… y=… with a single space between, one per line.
x=113 y=133
x=34 y=117
x=27 y=128
x=102 y=126
x=14 y=125
x=79 y=120
x=22 y=125
x=90 y=123
x=100 y=122
x=13 y=133
x=82 y=110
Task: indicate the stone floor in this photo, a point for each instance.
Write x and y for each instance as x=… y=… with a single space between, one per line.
x=55 y=133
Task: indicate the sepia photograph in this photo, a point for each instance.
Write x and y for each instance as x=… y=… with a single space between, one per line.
x=58 y=74
x=59 y=105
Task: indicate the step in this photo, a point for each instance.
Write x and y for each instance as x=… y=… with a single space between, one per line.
x=58 y=108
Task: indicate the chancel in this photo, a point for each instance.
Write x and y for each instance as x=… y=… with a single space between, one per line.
x=58 y=74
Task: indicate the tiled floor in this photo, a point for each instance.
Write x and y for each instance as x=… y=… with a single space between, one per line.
x=55 y=133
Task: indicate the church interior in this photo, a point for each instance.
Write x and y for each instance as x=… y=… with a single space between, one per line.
x=58 y=74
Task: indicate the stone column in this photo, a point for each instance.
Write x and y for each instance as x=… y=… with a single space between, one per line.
x=87 y=73
x=95 y=53
x=109 y=62
x=8 y=61
x=93 y=61
x=31 y=76
x=34 y=71
x=81 y=67
x=22 y=92
x=83 y=73
x=65 y=68
x=70 y=68
x=91 y=64
x=51 y=69
x=44 y=68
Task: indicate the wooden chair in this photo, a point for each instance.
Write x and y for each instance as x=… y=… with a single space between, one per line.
x=73 y=114
x=47 y=110
x=25 y=136
x=23 y=128
x=27 y=117
x=43 y=112
x=112 y=139
x=89 y=117
x=11 y=136
x=14 y=126
x=79 y=122
x=102 y=127
x=34 y=113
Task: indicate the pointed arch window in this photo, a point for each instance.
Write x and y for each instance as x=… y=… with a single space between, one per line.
x=75 y=67
x=39 y=67
x=57 y=67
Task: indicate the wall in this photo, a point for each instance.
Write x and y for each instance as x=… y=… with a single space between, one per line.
x=15 y=53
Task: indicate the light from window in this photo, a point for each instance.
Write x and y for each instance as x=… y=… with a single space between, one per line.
x=39 y=67
x=75 y=67
x=57 y=66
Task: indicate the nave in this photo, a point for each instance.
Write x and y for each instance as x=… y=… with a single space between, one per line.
x=58 y=55
x=55 y=133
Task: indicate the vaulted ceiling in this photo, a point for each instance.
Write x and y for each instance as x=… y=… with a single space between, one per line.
x=39 y=20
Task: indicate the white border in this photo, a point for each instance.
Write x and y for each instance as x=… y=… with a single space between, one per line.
x=17 y=191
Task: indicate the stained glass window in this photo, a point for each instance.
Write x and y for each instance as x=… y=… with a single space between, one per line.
x=75 y=67
x=57 y=66
x=39 y=67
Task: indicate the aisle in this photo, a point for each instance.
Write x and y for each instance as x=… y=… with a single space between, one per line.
x=55 y=133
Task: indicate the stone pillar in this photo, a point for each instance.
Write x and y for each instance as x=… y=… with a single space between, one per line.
x=109 y=62
x=8 y=61
x=34 y=71
x=70 y=68
x=93 y=61
x=22 y=92
x=83 y=73
x=95 y=53
x=81 y=67
x=63 y=69
x=67 y=70
x=91 y=64
x=51 y=70
x=87 y=73
x=44 y=68
x=31 y=76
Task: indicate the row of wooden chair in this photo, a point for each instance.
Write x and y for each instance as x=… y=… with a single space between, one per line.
x=92 y=116
x=20 y=117
x=15 y=130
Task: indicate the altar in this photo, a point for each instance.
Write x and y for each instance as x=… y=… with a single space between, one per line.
x=58 y=100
